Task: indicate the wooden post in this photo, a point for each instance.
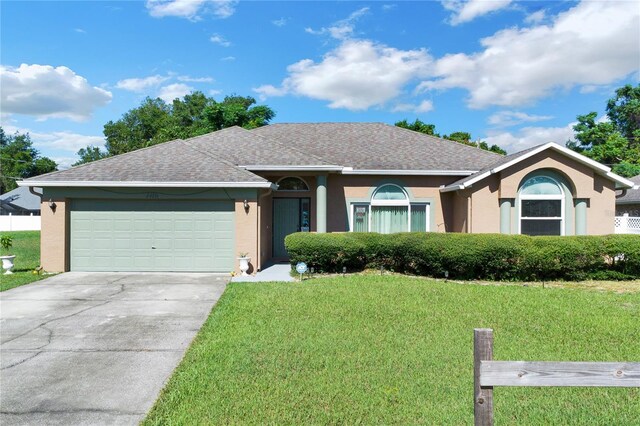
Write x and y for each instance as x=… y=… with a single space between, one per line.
x=483 y=395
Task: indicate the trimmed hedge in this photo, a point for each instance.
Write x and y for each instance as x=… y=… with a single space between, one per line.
x=472 y=256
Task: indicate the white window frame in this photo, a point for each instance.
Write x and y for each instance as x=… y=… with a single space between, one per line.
x=524 y=197
x=395 y=203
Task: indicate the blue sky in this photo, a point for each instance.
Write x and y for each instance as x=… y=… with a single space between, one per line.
x=515 y=73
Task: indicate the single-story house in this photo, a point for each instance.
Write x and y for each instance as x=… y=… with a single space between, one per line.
x=196 y=204
x=629 y=201
x=19 y=202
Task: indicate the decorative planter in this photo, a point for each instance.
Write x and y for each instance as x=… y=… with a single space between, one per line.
x=7 y=263
x=244 y=265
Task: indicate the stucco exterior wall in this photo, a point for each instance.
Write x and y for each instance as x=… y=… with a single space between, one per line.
x=247 y=233
x=584 y=182
x=345 y=189
x=54 y=235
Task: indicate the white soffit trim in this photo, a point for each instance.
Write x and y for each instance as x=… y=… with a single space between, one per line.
x=292 y=168
x=351 y=171
x=134 y=184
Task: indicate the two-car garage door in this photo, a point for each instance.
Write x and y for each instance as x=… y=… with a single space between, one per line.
x=153 y=235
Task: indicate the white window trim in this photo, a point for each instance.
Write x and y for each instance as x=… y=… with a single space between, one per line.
x=561 y=197
x=386 y=203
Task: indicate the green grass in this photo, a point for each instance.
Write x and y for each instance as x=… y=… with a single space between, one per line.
x=26 y=247
x=395 y=350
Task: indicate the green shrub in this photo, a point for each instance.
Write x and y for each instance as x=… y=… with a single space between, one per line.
x=472 y=256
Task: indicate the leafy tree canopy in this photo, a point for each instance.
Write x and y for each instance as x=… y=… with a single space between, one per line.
x=20 y=160
x=615 y=141
x=155 y=121
x=462 y=137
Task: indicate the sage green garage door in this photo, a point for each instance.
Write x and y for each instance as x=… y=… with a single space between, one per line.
x=132 y=235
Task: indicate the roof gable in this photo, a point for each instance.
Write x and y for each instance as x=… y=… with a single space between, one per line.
x=518 y=157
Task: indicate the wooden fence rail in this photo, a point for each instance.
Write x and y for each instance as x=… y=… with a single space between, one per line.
x=489 y=373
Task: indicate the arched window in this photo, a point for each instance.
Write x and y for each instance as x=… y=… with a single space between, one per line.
x=292 y=184
x=541 y=206
x=389 y=211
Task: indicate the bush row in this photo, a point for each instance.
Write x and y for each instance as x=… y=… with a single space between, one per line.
x=472 y=256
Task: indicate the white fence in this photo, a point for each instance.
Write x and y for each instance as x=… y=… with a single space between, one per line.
x=19 y=223
x=626 y=224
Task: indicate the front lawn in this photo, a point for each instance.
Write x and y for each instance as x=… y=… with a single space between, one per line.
x=395 y=350
x=26 y=247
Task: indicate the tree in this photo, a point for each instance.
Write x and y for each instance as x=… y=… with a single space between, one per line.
x=419 y=126
x=20 y=160
x=462 y=137
x=615 y=141
x=155 y=121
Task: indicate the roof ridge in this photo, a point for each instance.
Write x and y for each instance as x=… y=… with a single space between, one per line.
x=263 y=138
x=104 y=159
x=220 y=160
x=440 y=139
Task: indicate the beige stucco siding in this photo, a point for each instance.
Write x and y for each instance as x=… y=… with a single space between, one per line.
x=54 y=236
x=584 y=184
x=247 y=233
x=343 y=190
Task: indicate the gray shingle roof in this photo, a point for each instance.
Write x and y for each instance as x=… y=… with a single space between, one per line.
x=215 y=157
x=375 y=146
x=243 y=147
x=175 y=161
x=633 y=195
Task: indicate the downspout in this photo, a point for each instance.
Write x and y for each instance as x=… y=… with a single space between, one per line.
x=37 y=194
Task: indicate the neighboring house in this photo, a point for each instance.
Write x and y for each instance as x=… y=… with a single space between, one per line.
x=629 y=201
x=194 y=205
x=19 y=202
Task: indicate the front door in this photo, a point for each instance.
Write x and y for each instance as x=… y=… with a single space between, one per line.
x=289 y=215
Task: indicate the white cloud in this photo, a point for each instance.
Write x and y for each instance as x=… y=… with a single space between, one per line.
x=191 y=9
x=341 y=29
x=228 y=58
x=422 y=107
x=173 y=91
x=269 y=91
x=388 y=7
x=593 y=43
x=187 y=79
x=60 y=140
x=356 y=75
x=280 y=22
x=79 y=30
x=527 y=137
x=64 y=162
x=512 y=118
x=466 y=11
x=218 y=39
x=535 y=17
x=141 y=84
x=47 y=92
x=214 y=92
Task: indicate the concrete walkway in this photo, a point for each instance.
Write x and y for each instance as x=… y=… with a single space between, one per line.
x=274 y=272
x=96 y=349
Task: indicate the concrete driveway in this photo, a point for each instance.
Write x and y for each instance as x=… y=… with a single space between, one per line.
x=82 y=348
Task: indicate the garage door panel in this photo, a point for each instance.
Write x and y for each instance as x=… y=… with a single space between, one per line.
x=119 y=235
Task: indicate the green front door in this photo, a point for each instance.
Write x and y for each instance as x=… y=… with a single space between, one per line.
x=289 y=215
x=152 y=235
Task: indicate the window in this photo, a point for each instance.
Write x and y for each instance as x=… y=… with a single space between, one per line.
x=388 y=212
x=541 y=207
x=292 y=184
